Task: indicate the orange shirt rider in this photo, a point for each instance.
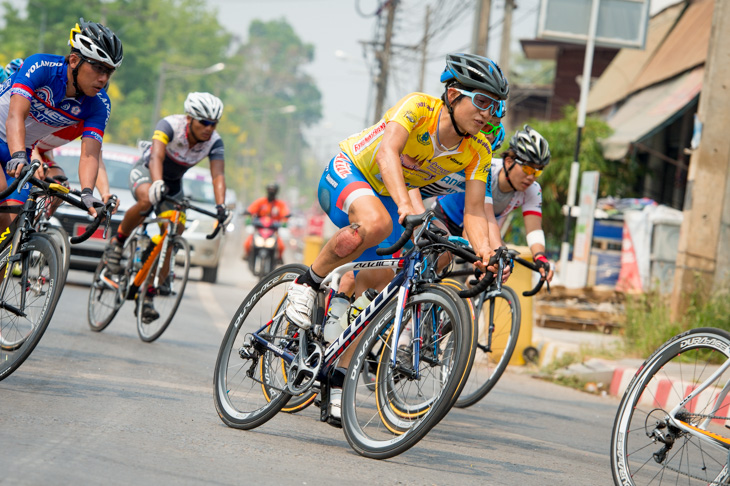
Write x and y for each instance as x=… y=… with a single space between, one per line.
x=277 y=210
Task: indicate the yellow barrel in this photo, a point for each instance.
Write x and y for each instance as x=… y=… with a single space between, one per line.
x=312 y=247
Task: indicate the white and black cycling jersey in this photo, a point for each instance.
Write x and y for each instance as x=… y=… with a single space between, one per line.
x=179 y=155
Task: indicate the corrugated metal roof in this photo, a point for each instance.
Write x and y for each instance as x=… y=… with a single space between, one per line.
x=618 y=80
x=685 y=47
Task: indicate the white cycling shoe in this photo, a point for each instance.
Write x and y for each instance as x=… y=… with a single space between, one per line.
x=300 y=302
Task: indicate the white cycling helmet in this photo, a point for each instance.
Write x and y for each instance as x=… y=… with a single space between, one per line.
x=530 y=147
x=96 y=42
x=203 y=106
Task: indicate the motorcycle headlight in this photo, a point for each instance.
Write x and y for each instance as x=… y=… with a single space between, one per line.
x=270 y=242
x=259 y=241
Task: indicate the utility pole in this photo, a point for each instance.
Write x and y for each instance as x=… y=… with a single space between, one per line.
x=384 y=61
x=504 y=48
x=703 y=261
x=480 y=35
x=424 y=49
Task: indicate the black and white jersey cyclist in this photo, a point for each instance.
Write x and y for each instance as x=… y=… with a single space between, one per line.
x=178 y=143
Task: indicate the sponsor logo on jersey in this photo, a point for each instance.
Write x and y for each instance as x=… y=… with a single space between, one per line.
x=75 y=110
x=45 y=94
x=423 y=104
x=43 y=114
x=483 y=142
x=409 y=116
x=424 y=138
x=368 y=138
x=331 y=181
x=342 y=166
x=40 y=64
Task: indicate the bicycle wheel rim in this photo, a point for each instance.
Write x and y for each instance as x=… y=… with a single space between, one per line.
x=19 y=334
x=108 y=292
x=492 y=355
x=241 y=399
x=167 y=293
x=376 y=425
x=641 y=430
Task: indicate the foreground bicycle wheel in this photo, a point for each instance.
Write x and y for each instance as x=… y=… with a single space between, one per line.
x=29 y=297
x=168 y=293
x=108 y=291
x=494 y=349
x=60 y=238
x=403 y=407
x=249 y=380
x=645 y=447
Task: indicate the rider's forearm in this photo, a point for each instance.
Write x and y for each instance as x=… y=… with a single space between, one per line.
x=392 y=174
x=155 y=167
x=417 y=200
x=15 y=129
x=478 y=234
x=102 y=179
x=219 y=189
x=88 y=169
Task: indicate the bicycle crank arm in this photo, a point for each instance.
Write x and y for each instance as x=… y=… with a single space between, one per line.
x=13 y=309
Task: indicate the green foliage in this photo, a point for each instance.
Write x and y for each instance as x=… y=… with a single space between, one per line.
x=615 y=179
x=268 y=97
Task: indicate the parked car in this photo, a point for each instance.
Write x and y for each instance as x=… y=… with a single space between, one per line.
x=119 y=159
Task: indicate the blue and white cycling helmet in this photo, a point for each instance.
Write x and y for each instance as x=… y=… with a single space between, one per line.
x=475 y=72
x=12 y=66
x=498 y=139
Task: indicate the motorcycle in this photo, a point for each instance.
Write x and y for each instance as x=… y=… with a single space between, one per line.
x=263 y=255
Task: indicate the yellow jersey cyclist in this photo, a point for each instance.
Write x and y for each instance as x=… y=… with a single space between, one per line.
x=179 y=142
x=364 y=189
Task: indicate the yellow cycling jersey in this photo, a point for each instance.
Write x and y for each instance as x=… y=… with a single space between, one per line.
x=423 y=160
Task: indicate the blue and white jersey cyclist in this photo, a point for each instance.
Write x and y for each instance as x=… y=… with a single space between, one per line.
x=51 y=92
x=513 y=185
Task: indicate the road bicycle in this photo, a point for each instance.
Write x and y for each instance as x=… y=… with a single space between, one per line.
x=264 y=360
x=671 y=426
x=30 y=270
x=145 y=262
x=497 y=315
x=43 y=224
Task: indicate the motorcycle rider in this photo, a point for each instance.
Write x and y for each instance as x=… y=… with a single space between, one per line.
x=274 y=208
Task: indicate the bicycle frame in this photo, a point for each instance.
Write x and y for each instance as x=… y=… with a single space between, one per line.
x=171 y=219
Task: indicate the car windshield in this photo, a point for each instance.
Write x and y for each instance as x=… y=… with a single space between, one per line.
x=117 y=171
x=199 y=190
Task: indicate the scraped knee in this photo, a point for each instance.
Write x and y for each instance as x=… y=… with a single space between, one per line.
x=348 y=239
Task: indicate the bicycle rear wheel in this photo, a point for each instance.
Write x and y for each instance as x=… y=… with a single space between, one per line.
x=494 y=347
x=29 y=298
x=167 y=294
x=249 y=380
x=407 y=403
x=646 y=446
x=108 y=291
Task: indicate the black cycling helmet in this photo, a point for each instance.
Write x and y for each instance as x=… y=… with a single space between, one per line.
x=530 y=147
x=94 y=41
x=272 y=189
x=475 y=72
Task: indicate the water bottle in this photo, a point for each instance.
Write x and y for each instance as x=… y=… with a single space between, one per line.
x=143 y=242
x=357 y=307
x=338 y=306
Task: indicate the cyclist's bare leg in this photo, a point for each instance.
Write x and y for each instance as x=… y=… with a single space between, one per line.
x=136 y=214
x=54 y=172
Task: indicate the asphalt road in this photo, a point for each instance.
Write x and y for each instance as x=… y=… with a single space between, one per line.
x=90 y=408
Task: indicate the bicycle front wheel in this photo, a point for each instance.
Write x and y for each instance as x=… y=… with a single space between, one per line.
x=167 y=294
x=108 y=291
x=250 y=380
x=30 y=292
x=498 y=327
x=406 y=402
x=60 y=238
x=647 y=446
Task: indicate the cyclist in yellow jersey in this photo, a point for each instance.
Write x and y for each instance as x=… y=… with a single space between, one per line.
x=364 y=190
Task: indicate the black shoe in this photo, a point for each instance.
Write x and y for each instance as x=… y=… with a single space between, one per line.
x=113 y=256
x=149 y=314
x=166 y=286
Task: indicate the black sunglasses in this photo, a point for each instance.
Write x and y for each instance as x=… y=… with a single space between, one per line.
x=207 y=123
x=99 y=67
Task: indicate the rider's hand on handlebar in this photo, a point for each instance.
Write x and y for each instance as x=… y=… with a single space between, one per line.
x=88 y=199
x=405 y=210
x=106 y=197
x=543 y=265
x=223 y=214
x=156 y=191
x=15 y=164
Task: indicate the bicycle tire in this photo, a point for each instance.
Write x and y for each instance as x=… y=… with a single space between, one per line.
x=240 y=381
x=108 y=292
x=491 y=360
x=60 y=238
x=167 y=299
x=39 y=277
x=641 y=430
x=389 y=431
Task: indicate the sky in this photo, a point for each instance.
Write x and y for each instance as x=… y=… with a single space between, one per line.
x=340 y=70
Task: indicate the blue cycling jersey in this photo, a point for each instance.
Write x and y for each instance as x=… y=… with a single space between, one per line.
x=42 y=79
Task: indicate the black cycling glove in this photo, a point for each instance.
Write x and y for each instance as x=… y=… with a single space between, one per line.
x=222 y=213
x=19 y=158
x=87 y=197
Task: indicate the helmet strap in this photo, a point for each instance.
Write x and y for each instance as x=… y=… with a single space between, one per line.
x=75 y=74
x=506 y=174
x=191 y=134
x=451 y=113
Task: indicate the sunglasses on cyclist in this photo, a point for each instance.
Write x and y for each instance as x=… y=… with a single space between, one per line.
x=208 y=123
x=528 y=169
x=485 y=102
x=491 y=129
x=99 y=67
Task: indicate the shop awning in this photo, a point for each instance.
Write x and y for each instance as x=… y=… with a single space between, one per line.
x=650 y=110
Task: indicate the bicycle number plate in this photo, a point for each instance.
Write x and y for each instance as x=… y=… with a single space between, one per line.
x=79 y=230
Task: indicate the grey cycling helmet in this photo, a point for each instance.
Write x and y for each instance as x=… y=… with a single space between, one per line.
x=475 y=72
x=530 y=147
x=203 y=106
x=96 y=42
